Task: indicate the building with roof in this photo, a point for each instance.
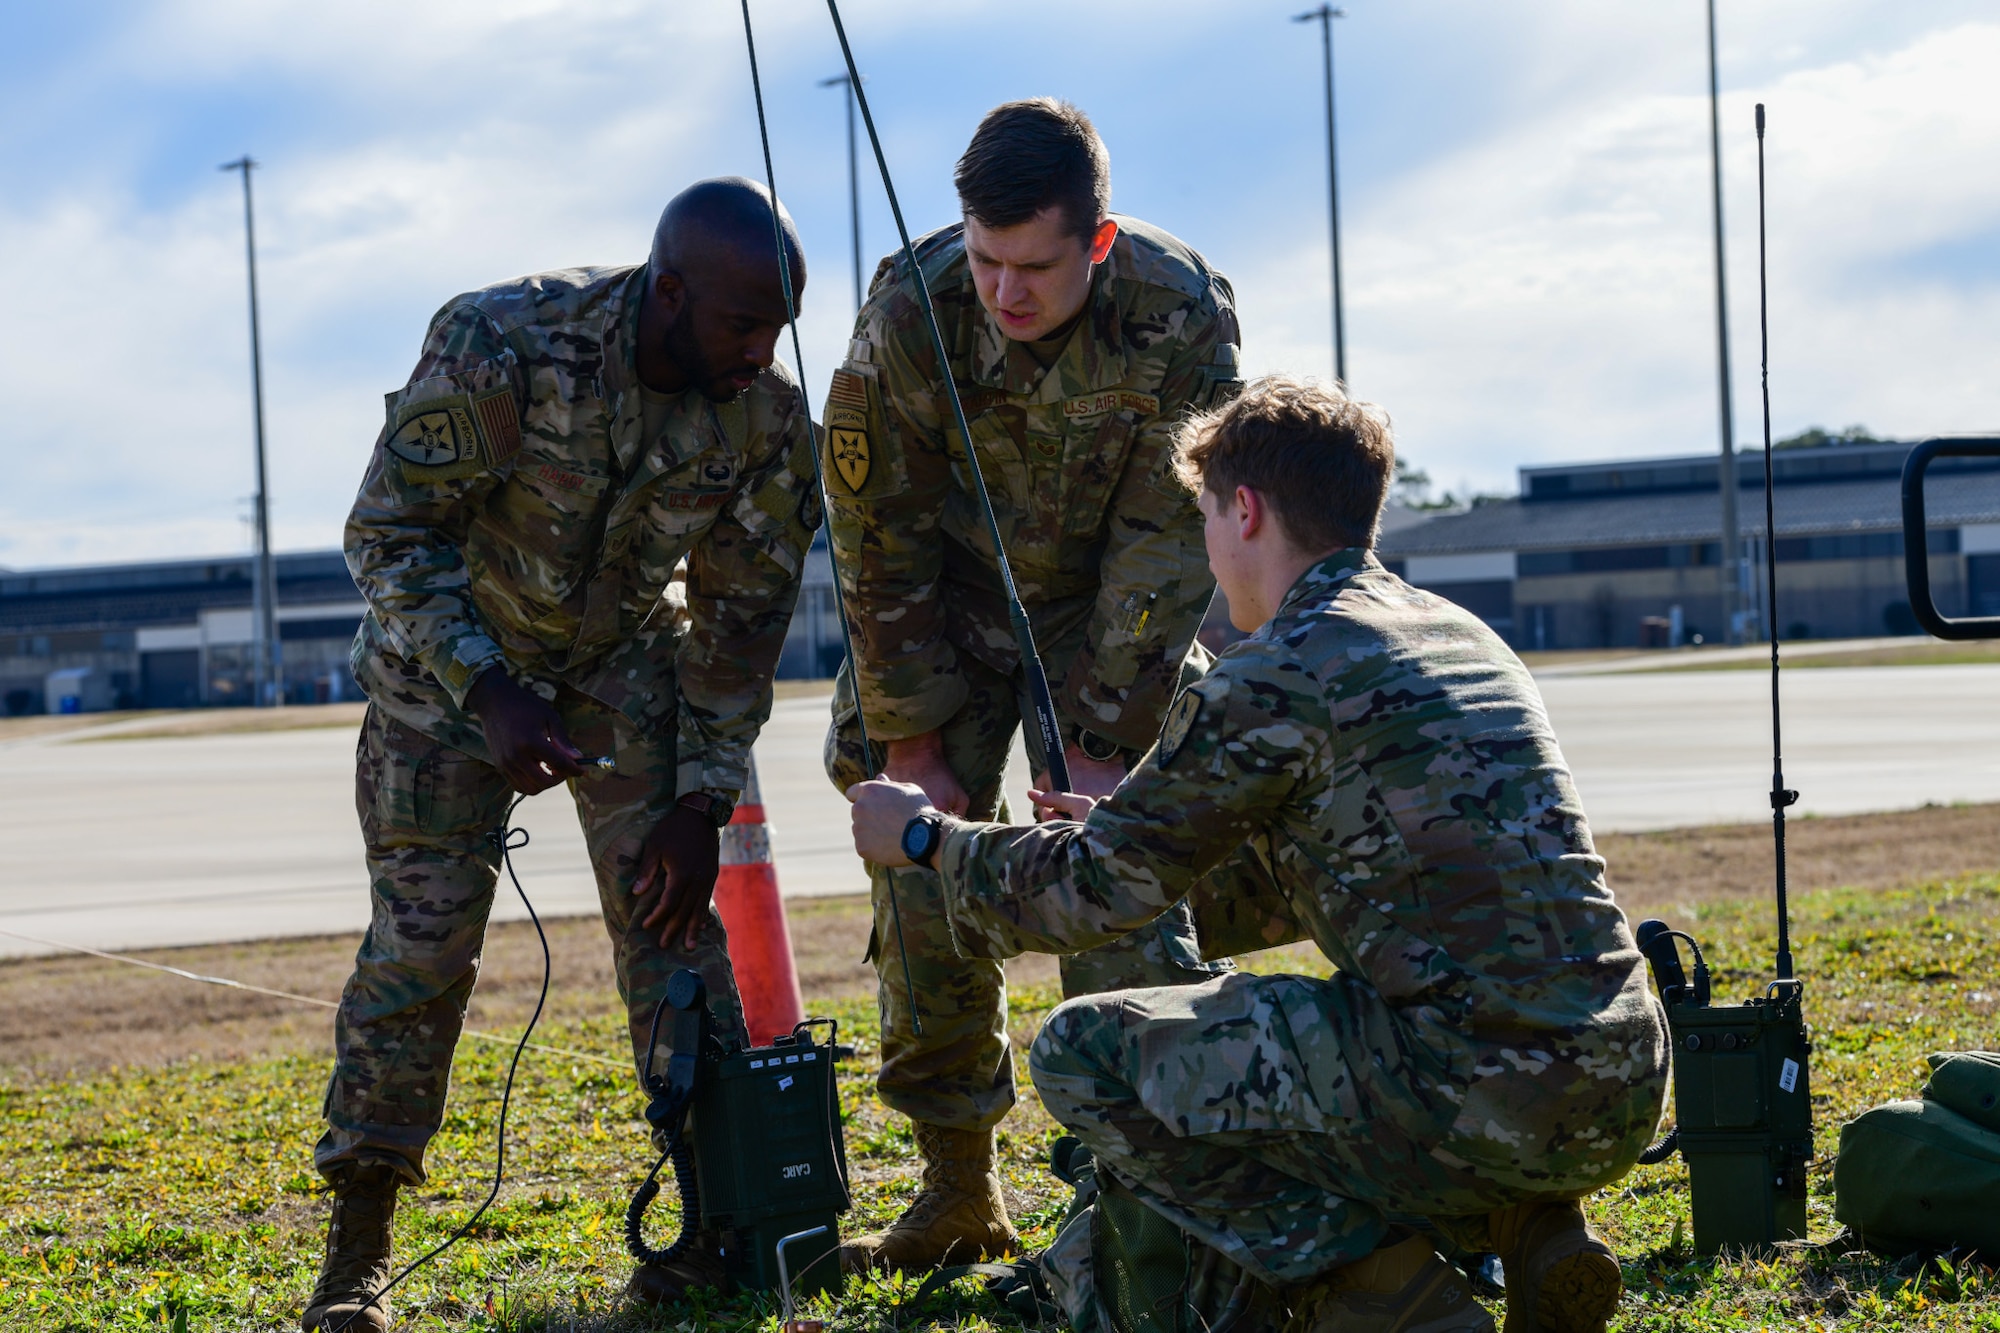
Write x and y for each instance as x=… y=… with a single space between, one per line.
x=1619 y=554
x=177 y=633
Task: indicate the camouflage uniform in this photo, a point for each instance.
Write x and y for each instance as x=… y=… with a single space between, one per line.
x=516 y=515
x=1372 y=770
x=1107 y=555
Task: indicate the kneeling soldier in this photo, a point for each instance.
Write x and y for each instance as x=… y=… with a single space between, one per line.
x=1371 y=769
x=566 y=441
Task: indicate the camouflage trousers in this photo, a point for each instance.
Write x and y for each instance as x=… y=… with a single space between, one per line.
x=959 y=1073
x=1213 y=1104
x=428 y=816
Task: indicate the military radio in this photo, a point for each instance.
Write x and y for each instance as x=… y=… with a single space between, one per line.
x=754 y=1139
x=1742 y=1096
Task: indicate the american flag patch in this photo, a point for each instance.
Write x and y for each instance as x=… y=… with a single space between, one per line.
x=499 y=425
x=848 y=390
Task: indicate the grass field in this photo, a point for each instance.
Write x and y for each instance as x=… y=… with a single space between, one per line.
x=147 y=1195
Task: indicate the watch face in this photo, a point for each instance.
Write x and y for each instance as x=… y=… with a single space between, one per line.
x=917 y=836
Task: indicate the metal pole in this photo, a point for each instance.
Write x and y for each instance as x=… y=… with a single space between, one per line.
x=1732 y=541
x=853 y=181
x=1326 y=14
x=267 y=663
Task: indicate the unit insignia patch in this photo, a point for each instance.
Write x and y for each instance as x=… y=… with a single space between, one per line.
x=434 y=439
x=848 y=447
x=1181 y=717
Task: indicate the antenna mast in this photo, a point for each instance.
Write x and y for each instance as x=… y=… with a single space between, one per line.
x=1781 y=795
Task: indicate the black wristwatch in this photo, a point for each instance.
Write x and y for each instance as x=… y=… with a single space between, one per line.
x=1102 y=749
x=921 y=838
x=716 y=809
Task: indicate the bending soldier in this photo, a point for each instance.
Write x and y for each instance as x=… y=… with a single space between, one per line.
x=565 y=442
x=1371 y=769
x=1078 y=341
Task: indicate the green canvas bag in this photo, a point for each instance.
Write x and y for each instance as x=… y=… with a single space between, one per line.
x=1925 y=1175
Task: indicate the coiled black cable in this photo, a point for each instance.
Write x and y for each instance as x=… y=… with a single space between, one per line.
x=507 y=840
x=1662 y=1150
x=681 y=1153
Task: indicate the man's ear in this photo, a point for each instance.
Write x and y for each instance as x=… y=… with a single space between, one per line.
x=669 y=291
x=1101 y=239
x=1251 y=512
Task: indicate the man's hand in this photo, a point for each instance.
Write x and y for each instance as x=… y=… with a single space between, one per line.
x=678 y=860
x=524 y=733
x=1092 y=778
x=882 y=810
x=920 y=759
x=1061 y=805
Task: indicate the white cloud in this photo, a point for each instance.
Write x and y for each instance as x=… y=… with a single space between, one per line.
x=1546 y=292
x=1527 y=215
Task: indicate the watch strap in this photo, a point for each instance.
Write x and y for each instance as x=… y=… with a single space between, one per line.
x=717 y=810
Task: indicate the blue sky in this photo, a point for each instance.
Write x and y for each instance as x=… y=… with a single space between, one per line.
x=1524 y=194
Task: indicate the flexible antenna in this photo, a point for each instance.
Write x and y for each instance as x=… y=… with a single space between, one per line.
x=1781 y=795
x=819 y=480
x=1024 y=638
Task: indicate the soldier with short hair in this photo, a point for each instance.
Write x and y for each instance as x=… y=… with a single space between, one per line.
x=1371 y=769
x=1078 y=340
x=566 y=442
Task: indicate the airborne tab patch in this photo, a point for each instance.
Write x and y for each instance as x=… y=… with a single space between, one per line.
x=1181 y=717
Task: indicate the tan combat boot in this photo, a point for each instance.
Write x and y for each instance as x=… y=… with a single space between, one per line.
x=357 y=1252
x=958 y=1218
x=1404 y=1287
x=1561 y=1276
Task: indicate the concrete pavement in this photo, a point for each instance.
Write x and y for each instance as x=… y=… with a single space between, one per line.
x=130 y=843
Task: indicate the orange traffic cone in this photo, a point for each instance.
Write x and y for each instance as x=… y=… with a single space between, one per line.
x=760 y=943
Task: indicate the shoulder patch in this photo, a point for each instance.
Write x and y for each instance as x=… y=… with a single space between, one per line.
x=847 y=446
x=436 y=440
x=1180 y=720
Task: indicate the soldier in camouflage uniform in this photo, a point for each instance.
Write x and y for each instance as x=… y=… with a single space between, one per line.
x=565 y=443
x=1078 y=341
x=1373 y=770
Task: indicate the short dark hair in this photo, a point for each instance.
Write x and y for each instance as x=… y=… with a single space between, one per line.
x=1321 y=460
x=1031 y=155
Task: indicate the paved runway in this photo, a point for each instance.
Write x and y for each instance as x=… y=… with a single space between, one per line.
x=128 y=843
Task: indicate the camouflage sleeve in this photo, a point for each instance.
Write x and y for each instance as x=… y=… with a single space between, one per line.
x=1237 y=748
x=450 y=436
x=1240 y=907
x=743 y=581
x=1155 y=582
x=888 y=475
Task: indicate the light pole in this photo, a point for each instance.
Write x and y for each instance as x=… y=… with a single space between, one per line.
x=853 y=179
x=1732 y=570
x=1325 y=15
x=266 y=665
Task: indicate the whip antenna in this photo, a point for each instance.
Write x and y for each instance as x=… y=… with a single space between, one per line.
x=819 y=480
x=1024 y=638
x=1781 y=795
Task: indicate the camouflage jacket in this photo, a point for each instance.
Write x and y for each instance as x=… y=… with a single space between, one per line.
x=1105 y=543
x=1372 y=769
x=513 y=514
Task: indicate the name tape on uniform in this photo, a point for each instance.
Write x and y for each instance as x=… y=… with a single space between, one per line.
x=1110 y=400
